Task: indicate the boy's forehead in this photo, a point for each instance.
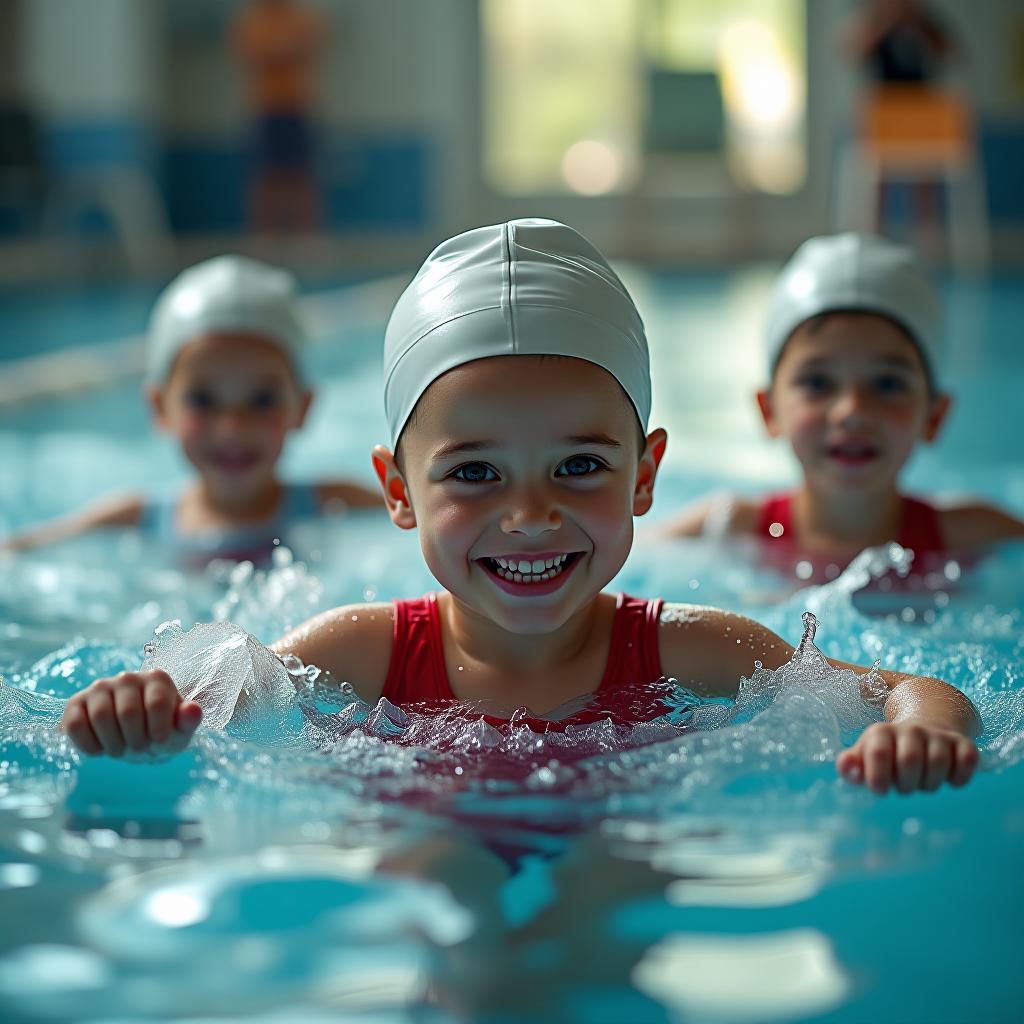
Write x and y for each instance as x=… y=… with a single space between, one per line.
x=854 y=336
x=224 y=351
x=537 y=392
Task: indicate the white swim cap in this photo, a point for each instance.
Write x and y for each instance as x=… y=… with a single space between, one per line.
x=855 y=272
x=526 y=287
x=227 y=293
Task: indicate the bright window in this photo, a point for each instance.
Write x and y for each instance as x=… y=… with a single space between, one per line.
x=581 y=95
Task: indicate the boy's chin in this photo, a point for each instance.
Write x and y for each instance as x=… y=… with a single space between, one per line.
x=531 y=617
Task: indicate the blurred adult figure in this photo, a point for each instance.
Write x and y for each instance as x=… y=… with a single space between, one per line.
x=278 y=44
x=899 y=41
x=912 y=131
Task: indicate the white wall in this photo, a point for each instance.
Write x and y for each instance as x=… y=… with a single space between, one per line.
x=97 y=59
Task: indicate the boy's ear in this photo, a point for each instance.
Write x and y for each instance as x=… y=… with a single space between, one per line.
x=650 y=460
x=392 y=483
x=764 y=403
x=941 y=404
x=154 y=395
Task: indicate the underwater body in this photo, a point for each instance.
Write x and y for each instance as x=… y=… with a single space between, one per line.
x=316 y=861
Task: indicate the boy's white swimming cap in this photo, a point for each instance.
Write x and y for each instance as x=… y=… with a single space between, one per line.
x=525 y=287
x=230 y=294
x=855 y=272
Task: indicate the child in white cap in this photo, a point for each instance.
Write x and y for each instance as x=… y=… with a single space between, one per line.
x=517 y=390
x=853 y=344
x=225 y=378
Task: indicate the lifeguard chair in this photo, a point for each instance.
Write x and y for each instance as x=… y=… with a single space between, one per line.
x=911 y=134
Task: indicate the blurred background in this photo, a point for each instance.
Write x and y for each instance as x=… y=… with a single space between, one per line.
x=703 y=139
x=679 y=131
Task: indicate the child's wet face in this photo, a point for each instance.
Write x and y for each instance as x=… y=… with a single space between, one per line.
x=230 y=400
x=523 y=473
x=852 y=397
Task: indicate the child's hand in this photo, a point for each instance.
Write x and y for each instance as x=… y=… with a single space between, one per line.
x=908 y=755
x=132 y=711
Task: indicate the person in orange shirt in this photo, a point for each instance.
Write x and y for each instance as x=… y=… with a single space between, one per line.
x=278 y=44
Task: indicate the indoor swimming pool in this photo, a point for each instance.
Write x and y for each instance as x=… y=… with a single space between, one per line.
x=317 y=861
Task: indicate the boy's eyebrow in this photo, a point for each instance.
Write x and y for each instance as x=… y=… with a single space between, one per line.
x=462 y=447
x=890 y=360
x=446 y=451
x=602 y=440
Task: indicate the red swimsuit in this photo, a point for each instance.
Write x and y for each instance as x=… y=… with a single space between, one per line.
x=920 y=528
x=416 y=674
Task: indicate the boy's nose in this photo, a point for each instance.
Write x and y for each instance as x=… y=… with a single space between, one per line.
x=531 y=515
x=851 y=404
x=233 y=419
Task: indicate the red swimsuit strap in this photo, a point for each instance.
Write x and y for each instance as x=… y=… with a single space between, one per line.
x=776 y=508
x=416 y=671
x=921 y=527
x=633 y=655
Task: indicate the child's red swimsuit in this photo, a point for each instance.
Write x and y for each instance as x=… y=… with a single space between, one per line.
x=416 y=674
x=920 y=529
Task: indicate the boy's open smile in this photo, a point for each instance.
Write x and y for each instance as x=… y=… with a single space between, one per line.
x=531 y=575
x=853 y=453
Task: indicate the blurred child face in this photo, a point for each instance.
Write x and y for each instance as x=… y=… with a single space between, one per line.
x=523 y=474
x=851 y=395
x=230 y=400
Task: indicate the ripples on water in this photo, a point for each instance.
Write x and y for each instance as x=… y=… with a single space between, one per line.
x=338 y=857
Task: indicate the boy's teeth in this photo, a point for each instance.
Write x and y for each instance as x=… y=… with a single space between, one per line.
x=534 y=571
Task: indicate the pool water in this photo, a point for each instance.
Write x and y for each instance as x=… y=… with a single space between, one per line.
x=318 y=862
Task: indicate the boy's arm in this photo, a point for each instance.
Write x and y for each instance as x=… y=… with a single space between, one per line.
x=136 y=711
x=927 y=738
x=973 y=525
x=341 y=492
x=715 y=515
x=349 y=644
x=117 y=510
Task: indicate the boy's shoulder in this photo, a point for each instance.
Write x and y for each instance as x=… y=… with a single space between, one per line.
x=708 y=649
x=351 y=643
x=975 y=523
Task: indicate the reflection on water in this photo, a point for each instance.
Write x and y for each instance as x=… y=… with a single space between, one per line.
x=322 y=858
x=740 y=978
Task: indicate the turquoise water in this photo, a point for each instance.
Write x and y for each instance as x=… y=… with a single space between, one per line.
x=310 y=863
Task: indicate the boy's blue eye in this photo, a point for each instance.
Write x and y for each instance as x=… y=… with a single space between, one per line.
x=264 y=400
x=890 y=383
x=201 y=400
x=816 y=382
x=579 y=465
x=475 y=473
